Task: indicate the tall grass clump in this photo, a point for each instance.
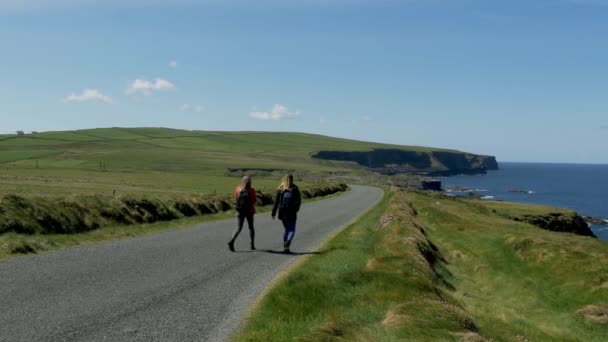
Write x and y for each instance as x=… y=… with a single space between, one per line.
x=82 y=213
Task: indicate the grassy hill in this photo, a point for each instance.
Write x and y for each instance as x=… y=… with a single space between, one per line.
x=156 y=147
x=167 y=160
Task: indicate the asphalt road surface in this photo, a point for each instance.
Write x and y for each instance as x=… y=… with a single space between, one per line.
x=181 y=285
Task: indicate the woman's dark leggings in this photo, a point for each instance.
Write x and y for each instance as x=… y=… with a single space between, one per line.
x=290 y=231
x=241 y=221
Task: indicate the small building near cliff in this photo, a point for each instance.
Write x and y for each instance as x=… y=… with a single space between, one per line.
x=431 y=184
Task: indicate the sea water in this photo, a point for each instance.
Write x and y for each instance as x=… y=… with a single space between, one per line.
x=581 y=187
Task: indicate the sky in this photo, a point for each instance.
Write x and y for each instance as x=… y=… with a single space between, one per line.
x=521 y=80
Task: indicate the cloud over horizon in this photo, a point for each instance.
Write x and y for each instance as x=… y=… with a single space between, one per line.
x=192 y=108
x=88 y=95
x=278 y=112
x=147 y=87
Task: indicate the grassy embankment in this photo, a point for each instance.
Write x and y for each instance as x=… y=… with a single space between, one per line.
x=429 y=267
x=516 y=279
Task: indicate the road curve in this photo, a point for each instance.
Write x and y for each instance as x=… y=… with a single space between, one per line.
x=181 y=285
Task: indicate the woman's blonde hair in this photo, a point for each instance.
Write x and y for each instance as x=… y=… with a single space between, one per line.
x=286 y=183
x=246 y=182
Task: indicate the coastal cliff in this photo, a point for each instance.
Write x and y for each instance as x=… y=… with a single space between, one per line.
x=548 y=218
x=433 y=163
x=559 y=222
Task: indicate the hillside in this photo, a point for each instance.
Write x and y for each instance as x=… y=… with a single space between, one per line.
x=215 y=153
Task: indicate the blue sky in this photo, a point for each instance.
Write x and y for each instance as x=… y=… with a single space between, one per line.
x=522 y=80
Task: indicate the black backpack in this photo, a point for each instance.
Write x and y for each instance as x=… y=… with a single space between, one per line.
x=288 y=200
x=243 y=201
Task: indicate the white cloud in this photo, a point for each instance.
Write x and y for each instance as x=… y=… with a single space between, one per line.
x=322 y=120
x=173 y=64
x=88 y=95
x=278 y=112
x=191 y=108
x=361 y=119
x=146 y=87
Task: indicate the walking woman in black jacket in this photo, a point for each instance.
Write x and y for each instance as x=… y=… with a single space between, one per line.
x=287 y=202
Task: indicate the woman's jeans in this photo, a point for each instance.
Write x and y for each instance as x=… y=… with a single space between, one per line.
x=290 y=231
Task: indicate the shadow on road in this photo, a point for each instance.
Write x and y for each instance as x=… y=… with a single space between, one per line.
x=290 y=253
x=280 y=251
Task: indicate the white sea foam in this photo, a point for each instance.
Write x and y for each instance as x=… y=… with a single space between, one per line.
x=487 y=197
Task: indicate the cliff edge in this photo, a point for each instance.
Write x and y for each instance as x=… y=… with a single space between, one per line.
x=433 y=163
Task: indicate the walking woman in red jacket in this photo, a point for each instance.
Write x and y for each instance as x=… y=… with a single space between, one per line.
x=244 y=196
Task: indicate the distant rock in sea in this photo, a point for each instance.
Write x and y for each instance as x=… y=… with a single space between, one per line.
x=463 y=189
x=519 y=191
x=595 y=220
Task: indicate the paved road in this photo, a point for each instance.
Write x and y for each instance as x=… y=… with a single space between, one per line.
x=180 y=285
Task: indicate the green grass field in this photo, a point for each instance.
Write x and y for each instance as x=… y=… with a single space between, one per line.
x=162 y=160
x=426 y=267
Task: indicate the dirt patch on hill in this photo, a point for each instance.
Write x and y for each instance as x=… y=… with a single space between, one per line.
x=396 y=317
x=595 y=312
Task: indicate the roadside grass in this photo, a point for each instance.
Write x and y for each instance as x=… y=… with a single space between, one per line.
x=80 y=213
x=519 y=282
x=375 y=281
x=14 y=245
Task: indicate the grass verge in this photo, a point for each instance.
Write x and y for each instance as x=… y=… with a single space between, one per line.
x=13 y=244
x=77 y=214
x=427 y=267
x=377 y=280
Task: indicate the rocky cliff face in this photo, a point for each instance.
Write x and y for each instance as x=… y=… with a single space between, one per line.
x=380 y=158
x=558 y=222
x=393 y=161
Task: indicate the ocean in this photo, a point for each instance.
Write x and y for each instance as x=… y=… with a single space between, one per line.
x=580 y=187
